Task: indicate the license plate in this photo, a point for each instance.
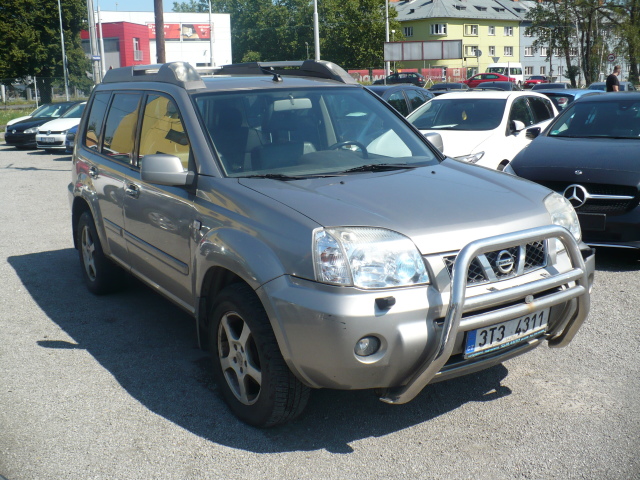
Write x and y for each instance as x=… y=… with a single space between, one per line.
x=505 y=334
x=47 y=140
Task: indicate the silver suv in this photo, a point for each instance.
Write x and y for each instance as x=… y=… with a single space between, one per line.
x=316 y=237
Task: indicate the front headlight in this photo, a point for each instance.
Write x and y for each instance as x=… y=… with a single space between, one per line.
x=31 y=130
x=563 y=214
x=471 y=158
x=366 y=258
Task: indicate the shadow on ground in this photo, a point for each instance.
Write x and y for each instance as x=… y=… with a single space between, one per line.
x=149 y=346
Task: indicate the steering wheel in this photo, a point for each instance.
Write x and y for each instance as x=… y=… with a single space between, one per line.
x=362 y=148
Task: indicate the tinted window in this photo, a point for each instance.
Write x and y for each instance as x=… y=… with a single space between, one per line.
x=397 y=101
x=459 y=114
x=415 y=99
x=162 y=130
x=96 y=117
x=542 y=109
x=520 y=111
x=120 y=126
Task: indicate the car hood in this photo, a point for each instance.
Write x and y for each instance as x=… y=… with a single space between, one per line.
x=600 y=160
x=462 y=142
x=60 y=124
x=441 y=208
x=16 y=120
x=30 y=123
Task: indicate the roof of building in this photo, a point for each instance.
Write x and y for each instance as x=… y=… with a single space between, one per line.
x=463 y=9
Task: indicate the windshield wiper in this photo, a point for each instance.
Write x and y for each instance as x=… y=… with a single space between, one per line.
x=375 y=167
x=283 y=177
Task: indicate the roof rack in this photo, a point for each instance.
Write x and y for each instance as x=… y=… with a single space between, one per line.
x=306 y=68
x=177 y=73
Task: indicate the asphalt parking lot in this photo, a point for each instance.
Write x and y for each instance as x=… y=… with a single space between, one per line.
x=114 y=387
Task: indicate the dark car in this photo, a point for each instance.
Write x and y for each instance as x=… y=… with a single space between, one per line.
x=403 y=77
x=563 y=97
x=404 y=98
x=547 y=86
x=70 y=139
x=23 y=134
x=499 y=85
x=589 y=154
x=602 y=86
x=440 y=88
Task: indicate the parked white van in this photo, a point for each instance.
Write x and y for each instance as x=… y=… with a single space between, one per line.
x=510 y=69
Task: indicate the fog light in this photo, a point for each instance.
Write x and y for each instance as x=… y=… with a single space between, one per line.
x=367 y=346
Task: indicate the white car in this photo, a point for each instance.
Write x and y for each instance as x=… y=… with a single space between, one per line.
x=51 y=135
x=485 y=127
x=53 y=110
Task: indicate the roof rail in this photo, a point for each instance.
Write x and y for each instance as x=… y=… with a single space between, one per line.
x=177 y=73
x=306 y=68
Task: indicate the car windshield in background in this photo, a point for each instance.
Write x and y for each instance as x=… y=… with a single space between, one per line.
x=612 y=119
x=75 y=111
x=459 y=114
x=308 y=132
x=53 y=110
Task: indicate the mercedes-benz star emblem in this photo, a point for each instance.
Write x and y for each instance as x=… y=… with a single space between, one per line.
x=578 y=172
x=505 y=262
x=576 y=194
x=48 y=132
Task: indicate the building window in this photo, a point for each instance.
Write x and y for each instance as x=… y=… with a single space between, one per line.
x=528 y=32
x=573 y=51
x=137 y=53
x=561 y=70
x=492 y=30
x=439 y=29
x=470 y=50
x=528 y=70
x=471 y=30
x=508 y=51
x=408 y=31
x=492 y=51
x=543 y=51
x=508 y=31
x=543 y=70
x=528 y=51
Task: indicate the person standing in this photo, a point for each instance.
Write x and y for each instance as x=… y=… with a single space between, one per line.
x=613 y=85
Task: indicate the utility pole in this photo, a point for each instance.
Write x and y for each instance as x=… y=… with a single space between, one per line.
x=159 y=13
x=64 y=55
x=316 y=33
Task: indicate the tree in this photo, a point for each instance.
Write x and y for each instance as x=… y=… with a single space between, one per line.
x=351 y=32
x=625 y=17
x=30 y=42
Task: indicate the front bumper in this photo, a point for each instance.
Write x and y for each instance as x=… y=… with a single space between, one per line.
x=422 y=335
x=51 y=142
x=20 y=139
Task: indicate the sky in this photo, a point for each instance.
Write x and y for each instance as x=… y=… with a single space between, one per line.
x=132 y=5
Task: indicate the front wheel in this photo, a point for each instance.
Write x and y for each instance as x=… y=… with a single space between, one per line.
x=248 y=366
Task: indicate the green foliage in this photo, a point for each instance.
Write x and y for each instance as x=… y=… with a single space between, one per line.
x=30 y=40
x=351 y=32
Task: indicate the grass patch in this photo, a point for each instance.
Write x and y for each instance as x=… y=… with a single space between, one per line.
x=6 y=115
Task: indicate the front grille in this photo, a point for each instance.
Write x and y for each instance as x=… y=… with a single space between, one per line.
x=609 y=206
x=503 y=264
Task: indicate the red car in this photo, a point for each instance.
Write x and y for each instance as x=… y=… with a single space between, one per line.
x=487 y=77
x=535 y=80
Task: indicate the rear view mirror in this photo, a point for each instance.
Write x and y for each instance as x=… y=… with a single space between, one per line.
x=164 y=169
x=516 y=126
x=436 y=140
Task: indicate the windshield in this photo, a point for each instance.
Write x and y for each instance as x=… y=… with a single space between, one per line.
x=459 y=114
x=499 y=70
x=53 y=110
x=75 y=111
x=307 y=132
x=612 y=119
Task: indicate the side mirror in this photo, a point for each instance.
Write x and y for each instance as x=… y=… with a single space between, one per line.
x=533 y=132
x=163 y=169
x=435 y=139
x=516 y=126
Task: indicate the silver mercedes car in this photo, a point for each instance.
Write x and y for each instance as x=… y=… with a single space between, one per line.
x=317 y=238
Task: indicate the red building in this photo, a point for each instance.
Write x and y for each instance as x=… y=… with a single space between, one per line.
x=125 y=44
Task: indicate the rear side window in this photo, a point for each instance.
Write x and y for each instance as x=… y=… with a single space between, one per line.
x=120 y=128
x=415 y=99
x=397 y=101
x=520 y=111
x=162 y=130
x=94 y=122
x=541 y=108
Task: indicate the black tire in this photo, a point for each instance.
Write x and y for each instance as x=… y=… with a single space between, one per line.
x=247 y=364
x=100 y=274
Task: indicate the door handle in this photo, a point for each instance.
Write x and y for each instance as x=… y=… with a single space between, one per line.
x=132 y=190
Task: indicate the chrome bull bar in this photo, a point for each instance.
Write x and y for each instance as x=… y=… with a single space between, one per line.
x=458 y=302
